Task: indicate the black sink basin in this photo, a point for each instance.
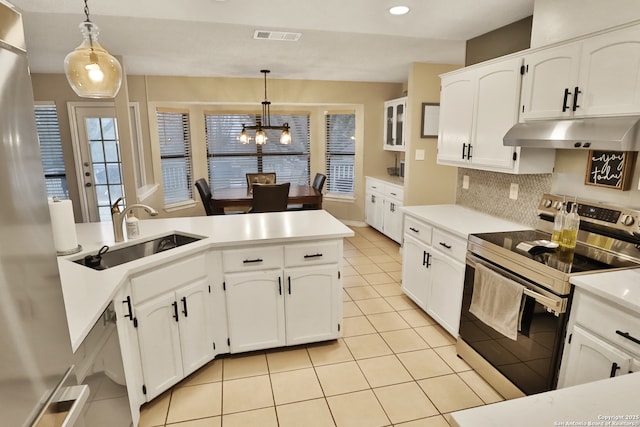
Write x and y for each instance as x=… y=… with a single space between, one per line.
x=118 y=256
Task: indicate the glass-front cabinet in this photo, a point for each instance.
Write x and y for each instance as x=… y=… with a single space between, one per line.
x=394 y=118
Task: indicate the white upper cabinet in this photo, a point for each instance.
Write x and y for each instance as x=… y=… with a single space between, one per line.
x=597 y=76
x=549 y=81
x=477 y=108
x=395 y=111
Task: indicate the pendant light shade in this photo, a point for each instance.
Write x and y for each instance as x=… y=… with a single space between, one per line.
x=91 y=71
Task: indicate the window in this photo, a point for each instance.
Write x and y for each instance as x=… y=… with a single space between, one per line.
x=229 y=160
x=51 y=151
x=175 y=155
x=340 y=136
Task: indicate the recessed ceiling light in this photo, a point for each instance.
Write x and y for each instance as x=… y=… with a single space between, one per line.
x=399 y=10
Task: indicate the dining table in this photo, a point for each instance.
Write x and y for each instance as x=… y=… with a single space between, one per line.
x=242 y=198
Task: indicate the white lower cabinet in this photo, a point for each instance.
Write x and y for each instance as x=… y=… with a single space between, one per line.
x=177 y=317
x=255 y=310
x=592 y=359
x=603 y=340
x=296 y=301
x=416 y=277
x=174 y=333
x=433 y=272
x=312 y=304
x=383 y=207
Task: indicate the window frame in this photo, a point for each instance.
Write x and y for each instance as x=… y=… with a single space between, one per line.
x=328 y=154
x=187 y=143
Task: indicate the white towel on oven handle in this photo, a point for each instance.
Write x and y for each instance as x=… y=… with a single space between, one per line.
x=496 y=301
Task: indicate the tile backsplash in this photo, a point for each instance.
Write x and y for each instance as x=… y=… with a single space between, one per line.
x=489 y=192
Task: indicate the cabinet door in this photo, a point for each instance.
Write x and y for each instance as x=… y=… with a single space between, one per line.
x=374 y=210
x=590 y=359
x=312 y=304
x=392 y=219
x=394 y=118
x=496 y=111
x=444 y=302
x=196 y=337
x=549 y=73
x=416 y=276
x=456 y=116
x=610 y=74
x=255 y=310
x=159 y=340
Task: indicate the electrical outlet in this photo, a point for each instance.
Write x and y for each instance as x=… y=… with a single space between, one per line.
x=513 y=191
x=465 y=182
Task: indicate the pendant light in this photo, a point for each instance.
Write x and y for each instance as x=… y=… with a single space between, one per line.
x=91 y=71
x=260 y=136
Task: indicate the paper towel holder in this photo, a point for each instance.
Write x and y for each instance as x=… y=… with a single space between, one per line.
x=69 y=251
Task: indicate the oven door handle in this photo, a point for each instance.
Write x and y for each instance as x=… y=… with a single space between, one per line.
x=557 y=305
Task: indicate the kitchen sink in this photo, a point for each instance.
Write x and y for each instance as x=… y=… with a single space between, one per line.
x=107 y=257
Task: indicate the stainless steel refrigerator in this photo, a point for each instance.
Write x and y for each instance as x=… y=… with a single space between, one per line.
x=36 y=383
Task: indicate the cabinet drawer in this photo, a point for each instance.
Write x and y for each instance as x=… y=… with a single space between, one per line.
x=394 y=191
x=417 y=229
x=447 y=243
x=311 y=253
x=166 y=278
x=605 y=318
x=257 y=258
x=375 y=185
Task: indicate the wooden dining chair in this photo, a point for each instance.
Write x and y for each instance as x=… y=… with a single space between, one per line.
x=270 y=197
x=260 y=178
x=205 y=194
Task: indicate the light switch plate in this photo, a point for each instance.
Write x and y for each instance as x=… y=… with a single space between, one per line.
x=419 y=154
x=513 y=191
x=465 y=182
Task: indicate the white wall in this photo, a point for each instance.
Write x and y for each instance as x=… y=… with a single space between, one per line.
x=558 y=20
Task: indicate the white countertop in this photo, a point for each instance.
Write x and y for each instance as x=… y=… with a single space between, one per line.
x=461 y=221
x=87 y=292
x=578 y=405
x=621 y=287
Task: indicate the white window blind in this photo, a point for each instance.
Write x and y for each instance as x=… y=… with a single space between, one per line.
x=229 y=160
x=175 y=155
x=48 y=129
x=340 y=153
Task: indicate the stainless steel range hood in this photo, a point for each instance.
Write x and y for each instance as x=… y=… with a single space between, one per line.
x=602 y=133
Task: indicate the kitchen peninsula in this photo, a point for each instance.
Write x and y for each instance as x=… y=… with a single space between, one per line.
x=251 y=282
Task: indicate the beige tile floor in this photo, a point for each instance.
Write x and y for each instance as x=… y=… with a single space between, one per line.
x=393 y=366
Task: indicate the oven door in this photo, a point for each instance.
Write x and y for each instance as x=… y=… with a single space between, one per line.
x=531 y=362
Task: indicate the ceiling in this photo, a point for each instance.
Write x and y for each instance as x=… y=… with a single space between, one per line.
x=351 y=40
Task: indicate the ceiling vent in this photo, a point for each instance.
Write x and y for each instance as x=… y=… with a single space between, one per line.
x=276 y=35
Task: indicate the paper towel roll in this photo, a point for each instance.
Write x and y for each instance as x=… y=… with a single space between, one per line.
x=64 y=225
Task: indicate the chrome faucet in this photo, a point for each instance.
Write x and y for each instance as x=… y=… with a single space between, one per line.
x=117 y=217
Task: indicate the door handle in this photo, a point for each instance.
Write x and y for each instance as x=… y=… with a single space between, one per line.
x=464 y=148
x=289 y=284
x=469 y=151
x=184 y=306
x=576 y=91
x=175 y=310
x=445 y=245
x=88 y=184
x=565 y=107
x=614 y=369
x=279 y=286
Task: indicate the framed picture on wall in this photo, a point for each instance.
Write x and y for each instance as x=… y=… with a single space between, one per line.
x=430 y=119
x=610 y=169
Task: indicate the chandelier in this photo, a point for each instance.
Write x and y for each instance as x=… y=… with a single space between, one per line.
x=91 y=71
x=260 y=136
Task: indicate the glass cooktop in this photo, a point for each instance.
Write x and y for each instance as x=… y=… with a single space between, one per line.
x=585 y=258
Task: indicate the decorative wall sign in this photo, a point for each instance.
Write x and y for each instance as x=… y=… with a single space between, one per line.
x=610 y=169
x=430 y=119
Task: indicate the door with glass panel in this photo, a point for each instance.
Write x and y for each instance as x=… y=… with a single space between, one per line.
x=101 y=163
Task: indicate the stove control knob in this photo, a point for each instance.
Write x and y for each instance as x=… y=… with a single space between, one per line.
x=546 y=203
x=626 y=220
